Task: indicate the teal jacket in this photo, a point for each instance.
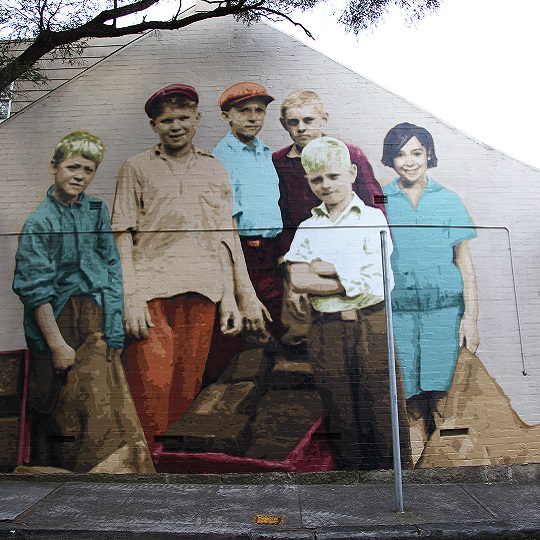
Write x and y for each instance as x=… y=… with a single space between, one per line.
x=64 y=252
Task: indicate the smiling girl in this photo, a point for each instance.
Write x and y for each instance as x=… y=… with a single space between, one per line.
x=435 y=294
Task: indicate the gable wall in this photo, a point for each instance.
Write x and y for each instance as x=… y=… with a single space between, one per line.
x=500 y=193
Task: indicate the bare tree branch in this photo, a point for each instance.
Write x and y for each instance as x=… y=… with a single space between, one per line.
x=63 y=25
x=268 y=11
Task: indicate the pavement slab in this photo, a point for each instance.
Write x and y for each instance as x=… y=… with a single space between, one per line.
x=163 y=507
x=238 y=506
x=518 y=504
x=335 y=505
x=79 y=506
x=441 y=504
x=17 y=497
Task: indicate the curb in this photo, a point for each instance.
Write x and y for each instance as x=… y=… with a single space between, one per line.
x=516 y=473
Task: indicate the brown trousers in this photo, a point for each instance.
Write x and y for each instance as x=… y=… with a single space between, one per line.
x=350 y=364
x=89 y=417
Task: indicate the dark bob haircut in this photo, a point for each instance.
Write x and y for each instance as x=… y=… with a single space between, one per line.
x=400 y=135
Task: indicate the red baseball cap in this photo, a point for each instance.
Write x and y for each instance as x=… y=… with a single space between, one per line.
x=241 y=91
x=184 y=90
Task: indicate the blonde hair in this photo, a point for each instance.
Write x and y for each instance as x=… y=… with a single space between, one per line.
x=79 y=143
x=319 y=152
x=301 y=97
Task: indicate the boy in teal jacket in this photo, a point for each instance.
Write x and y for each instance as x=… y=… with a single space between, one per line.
x=69 y=278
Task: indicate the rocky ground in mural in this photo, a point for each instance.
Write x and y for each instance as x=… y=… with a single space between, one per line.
x=264 y=414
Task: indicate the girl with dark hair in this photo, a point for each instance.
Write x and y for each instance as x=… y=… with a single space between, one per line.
x=435 y=295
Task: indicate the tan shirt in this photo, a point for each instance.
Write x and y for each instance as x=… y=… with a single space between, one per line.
x=180 y=214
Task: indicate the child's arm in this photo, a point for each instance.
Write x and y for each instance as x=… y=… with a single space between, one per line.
x=229 y=314
x=33 y=282
x=63 y=356
x=136 y=315
x=251 y=307
x=468 y=328
x=317 y=278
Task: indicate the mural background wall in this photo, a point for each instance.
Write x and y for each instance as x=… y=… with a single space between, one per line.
x=501 y=194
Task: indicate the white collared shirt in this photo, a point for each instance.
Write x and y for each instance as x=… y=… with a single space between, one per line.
x=352 y=244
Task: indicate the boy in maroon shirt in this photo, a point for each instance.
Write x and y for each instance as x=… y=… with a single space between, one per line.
x=304 y=116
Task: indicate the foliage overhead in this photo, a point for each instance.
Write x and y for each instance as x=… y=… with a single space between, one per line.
x=32 y=29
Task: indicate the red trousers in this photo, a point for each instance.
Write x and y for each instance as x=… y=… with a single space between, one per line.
x=165 y=370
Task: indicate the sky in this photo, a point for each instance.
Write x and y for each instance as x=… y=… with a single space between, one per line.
x=472 y=63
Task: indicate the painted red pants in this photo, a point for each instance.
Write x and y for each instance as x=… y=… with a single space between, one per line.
x=165 y=370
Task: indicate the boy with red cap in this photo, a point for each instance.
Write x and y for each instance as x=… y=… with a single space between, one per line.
x=255 y=185
x=172 y=212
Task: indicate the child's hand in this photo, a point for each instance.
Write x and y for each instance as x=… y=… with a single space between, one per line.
x=254 y=316
x=468 y=333
x=137 y=319
x=63 y=357
x=229 y=316
x=322 y=268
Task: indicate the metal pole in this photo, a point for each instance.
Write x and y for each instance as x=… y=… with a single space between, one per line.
x=398 y=481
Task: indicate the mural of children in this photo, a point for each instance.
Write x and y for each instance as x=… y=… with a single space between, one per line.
x=69 y=279
x=435 y=296
x=304 y=116
x=172 y=211
x=335 y=258
x=255 y=188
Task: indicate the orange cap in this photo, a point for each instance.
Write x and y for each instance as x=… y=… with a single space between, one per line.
x=241 y=91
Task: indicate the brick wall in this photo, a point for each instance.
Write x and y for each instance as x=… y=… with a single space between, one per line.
x=500 y=193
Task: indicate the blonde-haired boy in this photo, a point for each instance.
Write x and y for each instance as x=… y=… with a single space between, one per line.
x=69 y=279
x=335 y=258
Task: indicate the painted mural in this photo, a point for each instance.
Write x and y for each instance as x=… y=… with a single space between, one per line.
x=229 y=315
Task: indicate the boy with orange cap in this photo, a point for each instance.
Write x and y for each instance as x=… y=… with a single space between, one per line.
x=255 y=185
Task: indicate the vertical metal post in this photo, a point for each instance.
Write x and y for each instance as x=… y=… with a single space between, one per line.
x=23 y=446
x=398 y=481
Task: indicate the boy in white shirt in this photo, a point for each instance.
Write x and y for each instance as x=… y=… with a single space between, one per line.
x=335 y=257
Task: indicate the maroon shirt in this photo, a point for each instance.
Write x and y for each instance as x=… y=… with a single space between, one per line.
x=296 y=198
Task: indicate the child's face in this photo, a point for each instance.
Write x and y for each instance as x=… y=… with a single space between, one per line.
x=246 y=118
x=176 y=127
x=333 y=183
x=411 y=163
x=71 y=177
x=304 y=123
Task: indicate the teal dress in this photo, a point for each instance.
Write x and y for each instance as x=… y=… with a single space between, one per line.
x=427 y=299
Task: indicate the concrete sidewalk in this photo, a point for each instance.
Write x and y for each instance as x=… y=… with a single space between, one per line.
x=74 y=507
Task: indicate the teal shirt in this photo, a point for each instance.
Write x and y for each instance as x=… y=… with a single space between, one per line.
x=255 y=186
x=424 y=239
x=69 y=251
